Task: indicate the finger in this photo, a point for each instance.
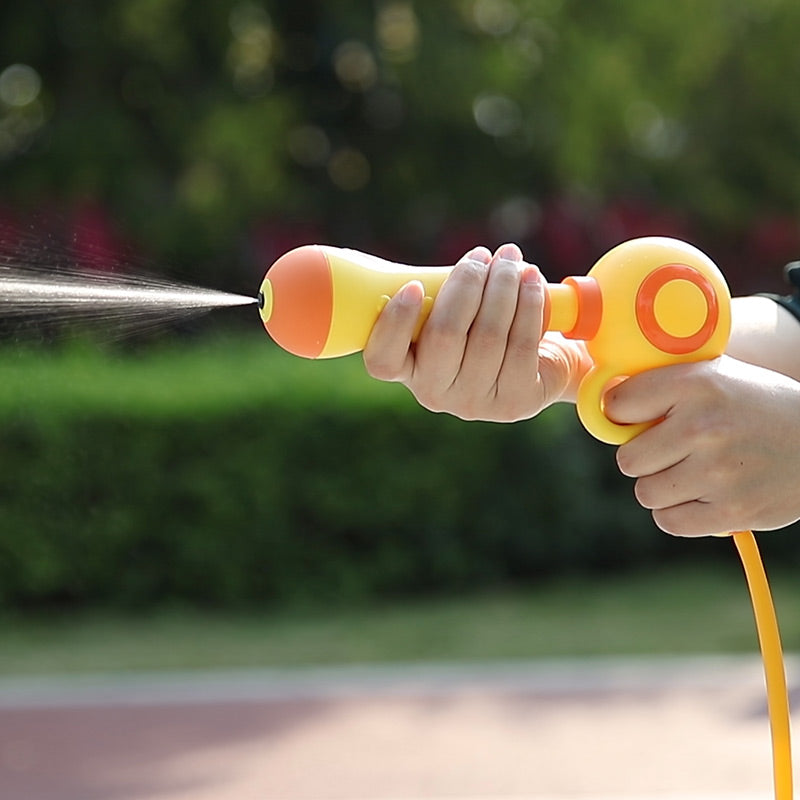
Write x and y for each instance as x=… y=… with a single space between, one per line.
x=654 y=450
x=442 y=341
x=644 y=397
x=522 y=351
x=673 y=487
x=696 y=518
x=488 y=335
x=388 y=355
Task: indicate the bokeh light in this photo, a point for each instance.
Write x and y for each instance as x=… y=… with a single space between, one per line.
x=355 y=66
x=652 y=133
x=397 y=30
x=19 y=85
x=496 y=114
x=349 y=169
x=495 y=17
x=22 y=114
x=515 y=219
x=251 y=49
x=309 y=145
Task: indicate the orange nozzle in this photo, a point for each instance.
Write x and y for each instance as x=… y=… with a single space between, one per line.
x=321 y=302
x=296 y=301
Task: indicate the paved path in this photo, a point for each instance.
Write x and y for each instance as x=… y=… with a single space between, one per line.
x=636 y=730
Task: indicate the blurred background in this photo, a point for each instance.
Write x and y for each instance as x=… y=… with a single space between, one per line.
x=197 y=498
x=189 y=499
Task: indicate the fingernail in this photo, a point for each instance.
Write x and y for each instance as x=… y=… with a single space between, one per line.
x=531 y=275
x=510 y=252
x=412 y=294
x=480 y=254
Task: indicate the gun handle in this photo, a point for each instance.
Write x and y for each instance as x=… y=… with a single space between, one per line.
x=592 y=414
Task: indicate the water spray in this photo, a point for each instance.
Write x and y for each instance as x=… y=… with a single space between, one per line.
x=44 y=276
x=27 y=295
x=647 y=303
x=110 y=302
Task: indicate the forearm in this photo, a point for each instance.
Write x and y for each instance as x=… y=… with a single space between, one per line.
x=765 y=334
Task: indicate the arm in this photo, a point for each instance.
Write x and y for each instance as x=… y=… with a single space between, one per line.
x=766 y=334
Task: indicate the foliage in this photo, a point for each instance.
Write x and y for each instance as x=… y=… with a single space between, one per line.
x=148 y=479
x=216 y=135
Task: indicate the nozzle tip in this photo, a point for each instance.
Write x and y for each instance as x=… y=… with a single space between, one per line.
x=260 y=301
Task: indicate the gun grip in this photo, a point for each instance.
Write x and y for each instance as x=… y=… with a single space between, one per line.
x=592 y=413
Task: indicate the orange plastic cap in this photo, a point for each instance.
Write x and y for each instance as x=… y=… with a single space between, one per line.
x=590 y=307
x=298 y=301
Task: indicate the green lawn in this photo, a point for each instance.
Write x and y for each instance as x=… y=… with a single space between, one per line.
x=675 y=611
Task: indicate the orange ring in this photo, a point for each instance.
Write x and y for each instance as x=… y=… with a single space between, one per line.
x=590 y=307
x=645 y=309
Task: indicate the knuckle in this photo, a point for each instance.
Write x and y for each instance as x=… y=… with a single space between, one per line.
x=380 y=370
x=443 y=333
x=513 y=412
x=429 y=398
x=381 y=366
x=490 y=334
x=471 y=412
x=505 y=273
x=707 y=385
x=470 y=273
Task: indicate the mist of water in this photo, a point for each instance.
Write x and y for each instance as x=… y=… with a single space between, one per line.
x=44 y=278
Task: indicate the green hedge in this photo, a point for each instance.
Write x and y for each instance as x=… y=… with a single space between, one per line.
x=228 y=473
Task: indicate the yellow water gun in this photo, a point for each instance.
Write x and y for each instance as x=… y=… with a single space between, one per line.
x=645 y=304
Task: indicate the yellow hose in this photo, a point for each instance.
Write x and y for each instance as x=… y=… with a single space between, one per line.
x=772 y=654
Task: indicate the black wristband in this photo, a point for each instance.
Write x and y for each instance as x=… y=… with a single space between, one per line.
x=790 y=302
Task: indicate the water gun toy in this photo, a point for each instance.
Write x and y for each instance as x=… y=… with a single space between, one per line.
x=646 y=303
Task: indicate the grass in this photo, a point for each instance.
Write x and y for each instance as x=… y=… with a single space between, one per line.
x=675 y=611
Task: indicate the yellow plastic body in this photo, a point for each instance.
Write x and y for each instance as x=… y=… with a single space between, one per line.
x=646 y=303
x=362 y=285
x=691 y=312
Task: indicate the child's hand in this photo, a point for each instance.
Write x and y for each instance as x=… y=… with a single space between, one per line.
x=480 y=354
x=724 y=458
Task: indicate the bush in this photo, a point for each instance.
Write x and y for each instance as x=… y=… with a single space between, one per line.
x=230 y=473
